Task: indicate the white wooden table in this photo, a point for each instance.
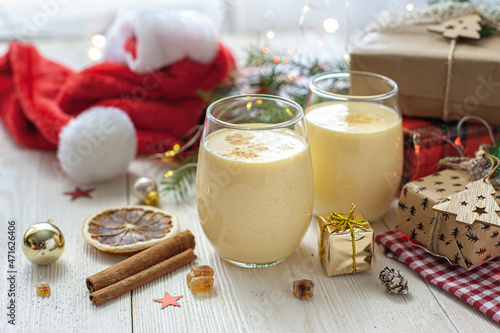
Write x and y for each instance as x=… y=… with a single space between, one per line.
x=254 y=300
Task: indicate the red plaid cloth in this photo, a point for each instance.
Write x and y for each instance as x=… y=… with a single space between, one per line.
x=426 y=141
x=479 y=287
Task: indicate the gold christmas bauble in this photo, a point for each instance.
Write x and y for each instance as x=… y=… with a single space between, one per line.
x=43 y=243
x=152 y=199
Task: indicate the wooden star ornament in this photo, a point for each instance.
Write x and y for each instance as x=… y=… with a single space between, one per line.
x=168 y=300
x=466 y=26
x=475 y=203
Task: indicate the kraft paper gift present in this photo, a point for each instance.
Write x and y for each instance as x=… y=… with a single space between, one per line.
x=466 y=245
x=428 y=69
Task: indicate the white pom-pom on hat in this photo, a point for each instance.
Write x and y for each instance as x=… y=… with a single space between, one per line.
x=97 y=145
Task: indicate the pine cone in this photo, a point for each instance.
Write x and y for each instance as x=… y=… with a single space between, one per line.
x=394 y=281
x=479 y=167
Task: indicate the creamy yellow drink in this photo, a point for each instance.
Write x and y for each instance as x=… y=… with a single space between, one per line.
x=356 y=150
x=254 y=193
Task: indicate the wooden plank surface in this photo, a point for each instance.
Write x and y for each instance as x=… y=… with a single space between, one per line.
x=243 y=300
x=31 y=191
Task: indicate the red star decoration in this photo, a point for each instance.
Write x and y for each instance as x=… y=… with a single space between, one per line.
x=78 y=192
x=168 y=300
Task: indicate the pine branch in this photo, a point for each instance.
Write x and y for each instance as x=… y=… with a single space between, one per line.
x=180 y=181
x=284 y=75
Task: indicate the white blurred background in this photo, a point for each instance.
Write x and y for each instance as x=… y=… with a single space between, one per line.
x=324 y=27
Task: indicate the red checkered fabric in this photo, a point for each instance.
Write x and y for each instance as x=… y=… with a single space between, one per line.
x=426 y=141
x=479 y=287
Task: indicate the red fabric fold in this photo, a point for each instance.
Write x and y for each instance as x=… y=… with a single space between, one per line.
x=29 y=85
x=39 y=96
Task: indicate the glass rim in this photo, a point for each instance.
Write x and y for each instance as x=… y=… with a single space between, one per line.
x=346 y=97
x=298 y=117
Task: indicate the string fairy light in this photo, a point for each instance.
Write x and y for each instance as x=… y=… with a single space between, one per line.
x=98 y=41
x=302 y=18
x=94 y=54
x=346 y=56
x=270 y=16
x=410 y=6
x=331 y=25
x=188 y=139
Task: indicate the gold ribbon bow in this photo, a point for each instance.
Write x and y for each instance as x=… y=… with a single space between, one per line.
x=341 y=223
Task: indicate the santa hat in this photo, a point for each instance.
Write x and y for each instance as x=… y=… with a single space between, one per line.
x=141 y=98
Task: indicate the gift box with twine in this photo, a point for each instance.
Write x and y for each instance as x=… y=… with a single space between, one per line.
x=438 y=77
x=466 y=244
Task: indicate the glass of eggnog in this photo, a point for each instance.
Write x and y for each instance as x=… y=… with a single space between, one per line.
x=355 y=133
x=254 y=182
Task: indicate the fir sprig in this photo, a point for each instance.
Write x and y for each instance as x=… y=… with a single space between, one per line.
x=180 y=181
x=284 y=75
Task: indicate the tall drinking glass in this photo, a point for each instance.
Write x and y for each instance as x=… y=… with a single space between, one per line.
x=355 y=132
x=254 y=184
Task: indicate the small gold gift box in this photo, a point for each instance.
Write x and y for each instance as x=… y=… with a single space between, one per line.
x=345 y=243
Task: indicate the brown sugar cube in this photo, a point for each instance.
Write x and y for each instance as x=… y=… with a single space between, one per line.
x=43 y=289
x=303 y=289
x=203 y=270
x=201 y=284
x=189 y=276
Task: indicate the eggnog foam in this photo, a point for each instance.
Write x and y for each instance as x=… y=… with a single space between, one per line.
x=353 y=117
x=255 y=145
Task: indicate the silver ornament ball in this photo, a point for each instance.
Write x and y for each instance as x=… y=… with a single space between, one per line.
x=143 y=186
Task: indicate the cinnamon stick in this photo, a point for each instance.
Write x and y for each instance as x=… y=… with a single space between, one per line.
x=141 y=278
x=141 y=261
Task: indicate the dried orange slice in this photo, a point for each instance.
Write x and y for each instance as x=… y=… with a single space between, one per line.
x=129 y=229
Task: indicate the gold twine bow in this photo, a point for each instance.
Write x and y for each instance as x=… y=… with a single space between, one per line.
x=341 y=223
x=495 y=163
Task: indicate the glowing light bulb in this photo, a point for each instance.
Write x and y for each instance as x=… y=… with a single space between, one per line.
x=410 y=6
x=270 y=34
x=290 y=50
x=305 y=9
x=276 y=59
x=346 y=56
x=331 y=25
x=99 y=41
x=265 y=49
x=94 y=54
x=321 y=42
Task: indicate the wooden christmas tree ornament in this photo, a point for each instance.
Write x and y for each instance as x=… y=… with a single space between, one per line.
x=476 y=202
x=466 y=26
